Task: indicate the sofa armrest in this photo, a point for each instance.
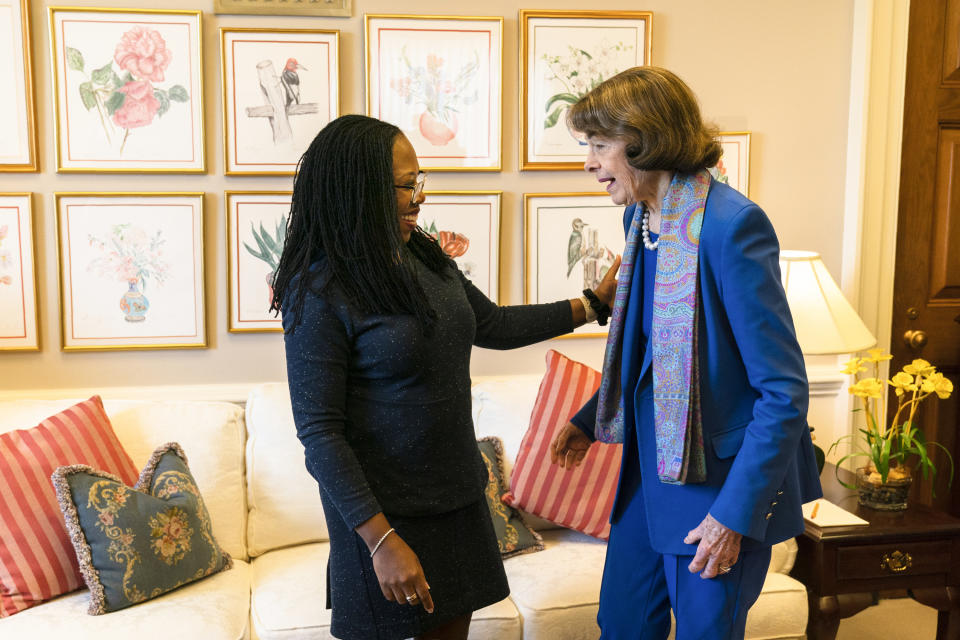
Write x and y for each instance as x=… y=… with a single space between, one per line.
x=782 y=556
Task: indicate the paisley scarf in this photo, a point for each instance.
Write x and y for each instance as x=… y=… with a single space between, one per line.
x=676 y=379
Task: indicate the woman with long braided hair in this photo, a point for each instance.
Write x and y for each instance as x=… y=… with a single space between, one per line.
x=379 y=324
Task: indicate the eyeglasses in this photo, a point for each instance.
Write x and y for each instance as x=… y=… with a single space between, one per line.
x=416 y=187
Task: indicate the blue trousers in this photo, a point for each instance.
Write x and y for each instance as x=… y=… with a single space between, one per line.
x=640 y=585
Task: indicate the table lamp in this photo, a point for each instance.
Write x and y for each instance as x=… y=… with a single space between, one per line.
x=824 y=320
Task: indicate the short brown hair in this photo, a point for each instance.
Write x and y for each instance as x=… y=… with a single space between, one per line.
x=656 y=114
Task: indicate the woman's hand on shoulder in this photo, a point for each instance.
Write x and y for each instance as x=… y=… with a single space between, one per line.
x=607 y=289
x=570 y=447
x=400 y=574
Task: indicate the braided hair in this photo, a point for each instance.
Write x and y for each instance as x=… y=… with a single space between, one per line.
x=344 y=206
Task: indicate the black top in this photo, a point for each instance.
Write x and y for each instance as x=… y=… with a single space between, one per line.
x=384 y=412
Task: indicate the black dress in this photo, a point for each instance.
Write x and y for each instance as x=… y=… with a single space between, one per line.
x=384 y=415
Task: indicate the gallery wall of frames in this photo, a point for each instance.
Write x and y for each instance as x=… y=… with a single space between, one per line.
x=170 y=138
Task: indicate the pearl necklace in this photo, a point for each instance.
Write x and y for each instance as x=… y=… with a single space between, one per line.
x=645 y=231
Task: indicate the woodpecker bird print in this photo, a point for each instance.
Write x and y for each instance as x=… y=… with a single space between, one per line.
x=291 y=81
x=575 y=245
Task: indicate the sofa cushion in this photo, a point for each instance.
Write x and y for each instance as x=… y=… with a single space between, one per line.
x=581 y=498
x=288 y=592
x=572 y=565
x=214 y=609
x=37 y=561
x=213 y=433
x=283 y=498
x=513 y=534
x=136 y=544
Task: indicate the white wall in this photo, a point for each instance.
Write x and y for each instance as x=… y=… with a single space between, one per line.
x=778 y=69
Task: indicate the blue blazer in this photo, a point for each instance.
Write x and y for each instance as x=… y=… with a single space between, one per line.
x=760 y=460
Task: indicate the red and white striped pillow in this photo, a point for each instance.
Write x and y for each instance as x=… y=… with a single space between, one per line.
x=37 y=560
x=580 y=499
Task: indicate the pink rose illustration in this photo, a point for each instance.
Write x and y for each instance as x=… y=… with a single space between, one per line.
x=6 y=280
x=139 y=107
x=143 y=53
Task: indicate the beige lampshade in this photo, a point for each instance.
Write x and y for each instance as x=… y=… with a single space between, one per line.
x=825 y=321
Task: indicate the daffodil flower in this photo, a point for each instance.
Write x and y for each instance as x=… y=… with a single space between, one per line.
x=941 y=385
x=867 y=388
x=877 y=355
x=920 y=367
x=852 y=366
x=903 y=383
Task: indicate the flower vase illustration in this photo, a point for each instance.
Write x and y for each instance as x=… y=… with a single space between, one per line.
x=269 y=248
x=440 y=93
x=127 y=97
x=130 y=255
x=134 y=304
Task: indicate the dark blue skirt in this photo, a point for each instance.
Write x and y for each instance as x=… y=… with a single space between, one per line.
x=461 y=561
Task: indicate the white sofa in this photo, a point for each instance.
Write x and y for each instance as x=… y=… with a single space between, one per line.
x=267 y=514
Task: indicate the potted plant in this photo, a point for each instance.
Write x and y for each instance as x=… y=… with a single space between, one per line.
x=884 y=482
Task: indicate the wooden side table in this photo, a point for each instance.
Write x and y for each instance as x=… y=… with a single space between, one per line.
x=842 y=567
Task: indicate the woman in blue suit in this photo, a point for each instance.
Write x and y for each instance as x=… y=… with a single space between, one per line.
x=703 y=379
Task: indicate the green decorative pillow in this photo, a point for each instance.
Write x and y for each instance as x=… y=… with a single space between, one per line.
x=513 y=534
x=136 y=544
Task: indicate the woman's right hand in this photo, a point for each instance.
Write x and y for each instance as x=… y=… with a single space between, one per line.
x=400 y=574
x=570 y=447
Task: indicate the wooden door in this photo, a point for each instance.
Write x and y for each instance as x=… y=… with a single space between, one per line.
x=926 y=298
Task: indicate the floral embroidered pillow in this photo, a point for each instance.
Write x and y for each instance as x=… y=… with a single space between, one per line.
x=513 y=534
x=135 y=544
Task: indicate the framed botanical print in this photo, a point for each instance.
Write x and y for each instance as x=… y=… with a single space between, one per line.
x=18 y=126
x=734 y=165
x=18 y=286
x=131 y=270
x=571 y=241
x=285 y=7
x=128 y=90
x=439 y=79
x=256 y=230
x=280 y=87
x=467 y=226
x=563 y=55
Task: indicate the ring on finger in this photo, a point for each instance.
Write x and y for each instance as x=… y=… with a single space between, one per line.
x=725 y=569
x=412 y=598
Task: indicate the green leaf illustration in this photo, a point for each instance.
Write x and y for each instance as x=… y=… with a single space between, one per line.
x=103 y=75
x=125 y=78
x=86 y=94
x=552 y=118
x=569 y=98
x=115 y=101
x=161 y=95
x=178 y=93
x=74 y=59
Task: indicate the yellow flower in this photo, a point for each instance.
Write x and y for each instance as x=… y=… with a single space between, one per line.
x=877 y=355
x=903 y=382
x=920 y=367
x=941 y=385
x=852 y=366
x=867 y=388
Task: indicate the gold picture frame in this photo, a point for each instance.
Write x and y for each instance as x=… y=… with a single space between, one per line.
x=22 y=106
x=337 y=8
x=734 y=166
x=20 y=330
x=545 y=37
x=246 y=276
x=461 y=127
x=549 y=271
x=109 y=240
x=261 y=144
x=469 y=232
x=128 y=90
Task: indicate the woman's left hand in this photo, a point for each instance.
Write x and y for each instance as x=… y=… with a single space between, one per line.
x=719 y=548
x=607 y=289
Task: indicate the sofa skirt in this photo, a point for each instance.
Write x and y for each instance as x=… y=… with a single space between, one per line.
x=461 y=561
